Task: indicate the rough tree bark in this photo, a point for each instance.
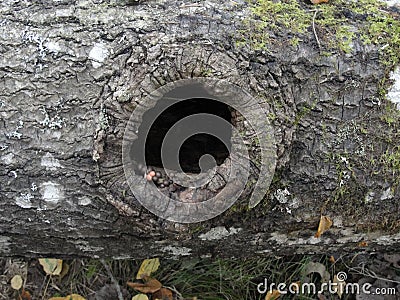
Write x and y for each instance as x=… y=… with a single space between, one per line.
x=71 y=73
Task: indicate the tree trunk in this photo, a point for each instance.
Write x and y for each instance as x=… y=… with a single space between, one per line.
x=73 y=74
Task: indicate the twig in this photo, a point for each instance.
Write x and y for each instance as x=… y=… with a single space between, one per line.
x=46 y=287
x=313 y=27
x=107 y=267
x=365 y=272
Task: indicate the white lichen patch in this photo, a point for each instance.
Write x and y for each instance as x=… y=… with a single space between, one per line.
x=98 y=54
x=338 y=221
x=282 y=195
x=393 y=2
x=300 y=241
x=24 y=200
x=279 y=238
x=86 y=247
x=64 y=13
x=84 y=201
x=16 y=134
x=387 y=194
x=369 y=197
x=52 y=194
x=49 y=162
x=218 y=233
x=394 y=92
x=177 y=251
x=52 y=47
x=8 y=159
x=388 y=239
x=55 y=122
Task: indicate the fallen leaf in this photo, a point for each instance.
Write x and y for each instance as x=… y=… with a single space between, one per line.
x=147 y=267
x=140 y=297
x=339 y=286
x=163 y=294
x=25 y=295
x=69 y=297
x=324 y=224
x=363 y=244
x=151 y=286
x=51 y=266
x=319 y=1
x=272 y=295
x=319 y=268
x=16 y=282
x=64 y=270
x=332 y=259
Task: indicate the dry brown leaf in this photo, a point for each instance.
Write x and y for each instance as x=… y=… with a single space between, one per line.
x=363 y=244
x=296 y=286
x=163 y=294
x=272 y=295
x=319 y=1
x=324 y=224
x=332 y=259
x=51 y=266
x=16 y=282
x=147 y=267
x=25 y=295
x=151 y=286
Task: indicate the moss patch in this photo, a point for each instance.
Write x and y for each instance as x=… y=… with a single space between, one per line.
x=335 y=24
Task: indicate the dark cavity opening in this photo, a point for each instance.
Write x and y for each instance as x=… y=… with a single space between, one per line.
x=194 y=147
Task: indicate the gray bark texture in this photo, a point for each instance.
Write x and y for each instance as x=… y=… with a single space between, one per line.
x=71 y=74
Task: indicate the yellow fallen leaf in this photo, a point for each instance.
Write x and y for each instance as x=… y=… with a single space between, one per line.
x=151 y=286
x=51 y=266
x=272 y=295
x=16 y=282
x=147 y=267
x=69 y=297
x=324 y=224
x=140 y=297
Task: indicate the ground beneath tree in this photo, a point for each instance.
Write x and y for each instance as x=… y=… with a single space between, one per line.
x=206 y=279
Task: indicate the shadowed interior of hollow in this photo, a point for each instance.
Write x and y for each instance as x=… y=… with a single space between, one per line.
x=194 y=147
